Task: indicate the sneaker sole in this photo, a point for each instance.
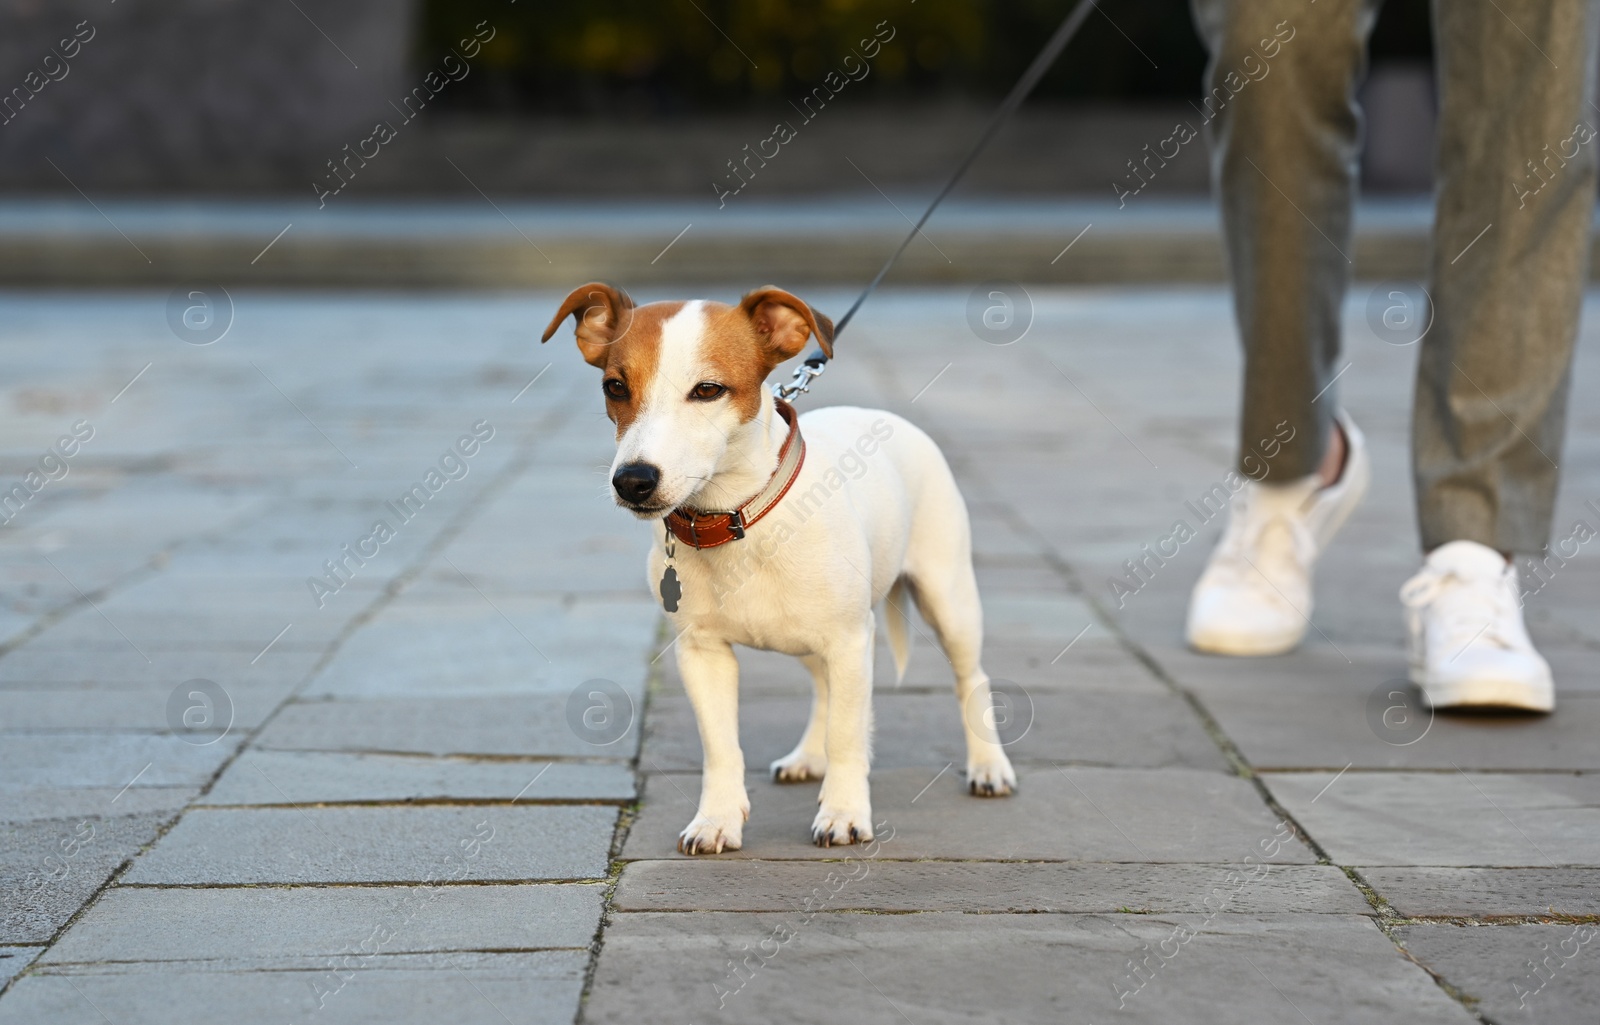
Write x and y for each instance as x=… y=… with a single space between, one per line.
x=1538 y=696
x=1244 y=645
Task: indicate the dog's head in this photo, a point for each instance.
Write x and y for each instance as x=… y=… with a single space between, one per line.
x=682 y=380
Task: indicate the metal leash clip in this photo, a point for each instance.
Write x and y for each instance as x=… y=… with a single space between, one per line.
x=803 y=376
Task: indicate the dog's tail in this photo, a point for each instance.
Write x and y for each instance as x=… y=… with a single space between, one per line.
x=897 y=613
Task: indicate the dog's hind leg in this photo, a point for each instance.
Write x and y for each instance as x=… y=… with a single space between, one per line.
x=711 y=676
x=939 y=569
x=809 y=759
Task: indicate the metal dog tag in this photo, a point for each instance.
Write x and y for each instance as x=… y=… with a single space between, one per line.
x=671 y=588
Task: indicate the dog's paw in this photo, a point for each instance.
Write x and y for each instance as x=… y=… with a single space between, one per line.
x=993 y=778
x=798 y=767
x=836 y=826
x=712 y=834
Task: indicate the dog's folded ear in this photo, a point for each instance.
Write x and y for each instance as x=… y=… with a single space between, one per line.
x=603 y=312
x=785 y=322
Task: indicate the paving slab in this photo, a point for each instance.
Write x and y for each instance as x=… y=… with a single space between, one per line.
x=523 y=725
x=470 y=988
x=231 y=846
x=1527 y=819
x=1094 y=662
x=1039 y=968
x=1516 y=973
x=1076 y=727
x=49 y=867
x=507 y=646
x=14 y=959
x=1315 y=710
x=79 y=759
x=263 y=927
x=127 y=706
x=29 y=668
x=1082 y=814
x=859 y=882
x=31 y=804
x=326 y=777
x=1487 y=892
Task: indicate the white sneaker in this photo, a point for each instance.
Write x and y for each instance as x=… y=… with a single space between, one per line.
x=1468 y=642
x=1254 y=597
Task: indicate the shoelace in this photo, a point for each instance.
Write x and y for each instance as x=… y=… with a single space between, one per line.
x=1468 y=610
x=1242 y=552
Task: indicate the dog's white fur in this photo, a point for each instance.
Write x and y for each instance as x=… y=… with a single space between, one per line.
x=805 y=580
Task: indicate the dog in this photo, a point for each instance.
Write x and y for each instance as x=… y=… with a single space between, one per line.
x=783 y=533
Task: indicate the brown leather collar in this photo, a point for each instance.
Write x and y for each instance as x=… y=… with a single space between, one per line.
x=699 y=529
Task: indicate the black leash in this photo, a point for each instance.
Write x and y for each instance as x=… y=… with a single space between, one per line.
x=816 y=360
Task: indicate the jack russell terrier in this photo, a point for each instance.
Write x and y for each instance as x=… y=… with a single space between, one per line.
x=782 y=542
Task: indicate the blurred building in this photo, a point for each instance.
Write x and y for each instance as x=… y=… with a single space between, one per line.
x=192 y=95
x=655 y=98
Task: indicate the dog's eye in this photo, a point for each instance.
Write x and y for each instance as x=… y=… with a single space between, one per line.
x=705 y=391
x=615 y=389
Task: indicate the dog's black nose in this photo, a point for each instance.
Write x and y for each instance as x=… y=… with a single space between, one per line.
x=636 y=482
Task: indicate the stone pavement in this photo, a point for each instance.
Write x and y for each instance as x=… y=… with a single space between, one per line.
x=444 y=783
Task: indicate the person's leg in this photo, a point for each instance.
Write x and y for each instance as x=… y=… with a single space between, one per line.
x=1285 y=133
x=1516 y=189
x=1516 y=184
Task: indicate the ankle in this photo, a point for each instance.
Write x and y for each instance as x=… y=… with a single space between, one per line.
x=1333 y=460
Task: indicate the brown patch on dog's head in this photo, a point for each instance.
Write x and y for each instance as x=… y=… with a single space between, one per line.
x=631 y=362
x=621 y=339
x=784 y=322
x=737 y=349
x=603 y=311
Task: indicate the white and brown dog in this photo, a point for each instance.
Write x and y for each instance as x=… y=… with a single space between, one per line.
x=782 y=542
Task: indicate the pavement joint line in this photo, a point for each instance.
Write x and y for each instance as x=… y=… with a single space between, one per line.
x=619 y=836
x=91 y=1003
x=452 y=528
x=1331 y=782
x=92 y=605
x=1386 y=917
x=151 y=566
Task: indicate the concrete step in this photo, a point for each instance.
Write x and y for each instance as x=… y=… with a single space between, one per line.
x=478 y=244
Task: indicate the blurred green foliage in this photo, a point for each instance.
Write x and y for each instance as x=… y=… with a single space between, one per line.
x=664 y=56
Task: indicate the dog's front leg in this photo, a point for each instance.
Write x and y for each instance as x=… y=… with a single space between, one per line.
x=845 y=815
x=711 y=676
